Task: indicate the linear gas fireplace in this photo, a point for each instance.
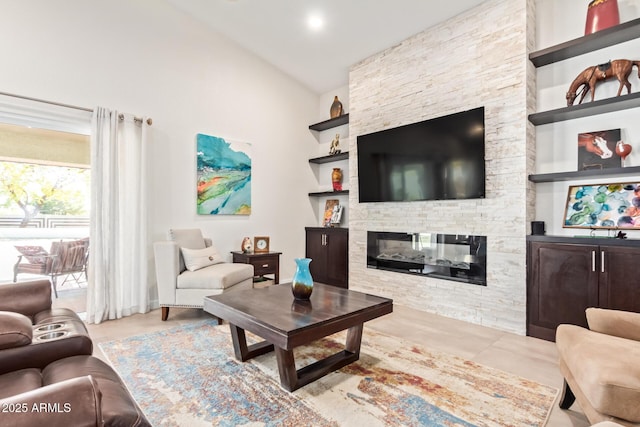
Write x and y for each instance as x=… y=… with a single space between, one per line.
x=446 y=256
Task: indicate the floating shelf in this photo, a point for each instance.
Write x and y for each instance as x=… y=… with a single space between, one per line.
x=608 y=37
x=568 y=176
x=331 y=123
x=329 y=193
x=330 y=158
x=602 y=106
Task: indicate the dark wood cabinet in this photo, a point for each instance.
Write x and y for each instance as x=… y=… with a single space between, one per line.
x=263 y=263
x=329 y=250
x=619 y=285
x=561 y=286
x=566 y=276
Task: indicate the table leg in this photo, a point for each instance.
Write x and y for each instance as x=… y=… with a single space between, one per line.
x=354 y=339
x=244 y=352
x=287 y=369
x=292 y=379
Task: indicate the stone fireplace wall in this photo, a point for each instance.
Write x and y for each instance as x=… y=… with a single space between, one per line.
x=478 y=58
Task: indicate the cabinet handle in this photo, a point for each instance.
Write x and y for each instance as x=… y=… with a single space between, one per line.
x=593 y=260
x=602 y=261
x=265 y=265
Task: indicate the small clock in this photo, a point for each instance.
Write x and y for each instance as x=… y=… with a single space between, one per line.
x=260 y=244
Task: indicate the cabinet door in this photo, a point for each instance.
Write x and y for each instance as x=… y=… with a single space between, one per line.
x=619 y=286
x=316 y=250
x=337 y=258
x=563 y=283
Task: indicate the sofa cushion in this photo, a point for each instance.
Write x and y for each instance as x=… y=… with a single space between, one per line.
x=15 y=330
x=624 y=324
x=16 y=382
x=118 y=406
x=605 y=368
x=218 y=276
x=195 y=259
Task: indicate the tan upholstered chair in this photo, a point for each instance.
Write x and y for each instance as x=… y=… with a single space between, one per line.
x=601 y=366
x=205 y=273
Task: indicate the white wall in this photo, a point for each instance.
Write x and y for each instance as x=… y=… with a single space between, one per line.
x=556 y=144
x=146 y=58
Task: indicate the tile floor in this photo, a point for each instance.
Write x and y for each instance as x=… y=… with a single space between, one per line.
x=525 y=356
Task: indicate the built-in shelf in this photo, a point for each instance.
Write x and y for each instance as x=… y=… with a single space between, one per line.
x=330 y=158
x=331 y=123
x=329 y=193
x=601 y=39
x=602 y=106
x=593 y=173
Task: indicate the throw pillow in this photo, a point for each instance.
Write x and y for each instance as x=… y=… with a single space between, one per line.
x=34 y=254
x=195 y=259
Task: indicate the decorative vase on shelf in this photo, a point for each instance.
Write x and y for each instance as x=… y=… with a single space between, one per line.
x=336 y=179
x=302 y=283
x=336 y=108
x=623 y=150
x=601 y=14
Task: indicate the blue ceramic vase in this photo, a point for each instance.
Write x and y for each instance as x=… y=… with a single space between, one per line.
x=302 y=284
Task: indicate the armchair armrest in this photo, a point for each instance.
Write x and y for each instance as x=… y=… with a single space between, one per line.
x=623 y=324
x=28 y=298
x=74 y=402
x=15 y=330
x=167 y=260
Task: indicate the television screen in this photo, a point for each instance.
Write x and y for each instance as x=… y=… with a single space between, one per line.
x=437 y=159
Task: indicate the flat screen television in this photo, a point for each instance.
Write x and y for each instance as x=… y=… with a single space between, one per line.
x=436 y=159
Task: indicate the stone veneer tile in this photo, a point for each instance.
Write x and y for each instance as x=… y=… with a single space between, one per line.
x=478 y=58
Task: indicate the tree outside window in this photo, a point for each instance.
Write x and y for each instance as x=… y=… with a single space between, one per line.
x=31 y=189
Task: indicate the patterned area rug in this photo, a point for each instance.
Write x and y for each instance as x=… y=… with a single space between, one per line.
x=188 y=376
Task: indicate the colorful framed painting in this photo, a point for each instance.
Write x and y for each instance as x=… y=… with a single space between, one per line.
x=223 y=176
x=597 y=150
x=609 y=206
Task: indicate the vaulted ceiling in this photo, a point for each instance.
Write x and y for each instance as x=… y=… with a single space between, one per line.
x=316 y=41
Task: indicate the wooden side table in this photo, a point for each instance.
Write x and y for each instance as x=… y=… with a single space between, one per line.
x=263 y=263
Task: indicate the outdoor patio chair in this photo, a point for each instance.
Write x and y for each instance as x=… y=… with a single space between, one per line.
x=67 y=259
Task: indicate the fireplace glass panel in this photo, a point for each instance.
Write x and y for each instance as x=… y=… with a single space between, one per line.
x=457 y=257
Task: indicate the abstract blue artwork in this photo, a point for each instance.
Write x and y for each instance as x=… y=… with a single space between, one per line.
x=224 y=176
x=611 y=206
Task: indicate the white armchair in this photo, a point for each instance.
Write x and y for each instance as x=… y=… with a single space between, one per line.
x=205 y=273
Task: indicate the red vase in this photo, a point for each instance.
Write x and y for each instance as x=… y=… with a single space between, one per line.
x=601 y=14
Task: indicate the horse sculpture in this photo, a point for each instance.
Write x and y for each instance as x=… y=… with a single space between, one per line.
x=618 y=68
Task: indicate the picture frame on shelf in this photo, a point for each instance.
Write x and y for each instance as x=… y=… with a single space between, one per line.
x=328 y=211
x=597 y=150
x=261 y=244
x=336 y=216
x=603 y=206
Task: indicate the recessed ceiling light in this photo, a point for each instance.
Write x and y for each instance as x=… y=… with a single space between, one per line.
x=315 y=22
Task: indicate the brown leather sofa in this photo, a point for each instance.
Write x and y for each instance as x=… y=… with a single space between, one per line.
x=47 y=374
x=601 y=366
x=55 y=332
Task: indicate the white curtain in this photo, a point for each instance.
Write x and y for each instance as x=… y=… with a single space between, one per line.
x=118 y=283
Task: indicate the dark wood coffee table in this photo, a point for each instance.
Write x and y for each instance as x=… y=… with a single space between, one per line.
x=273 y=314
